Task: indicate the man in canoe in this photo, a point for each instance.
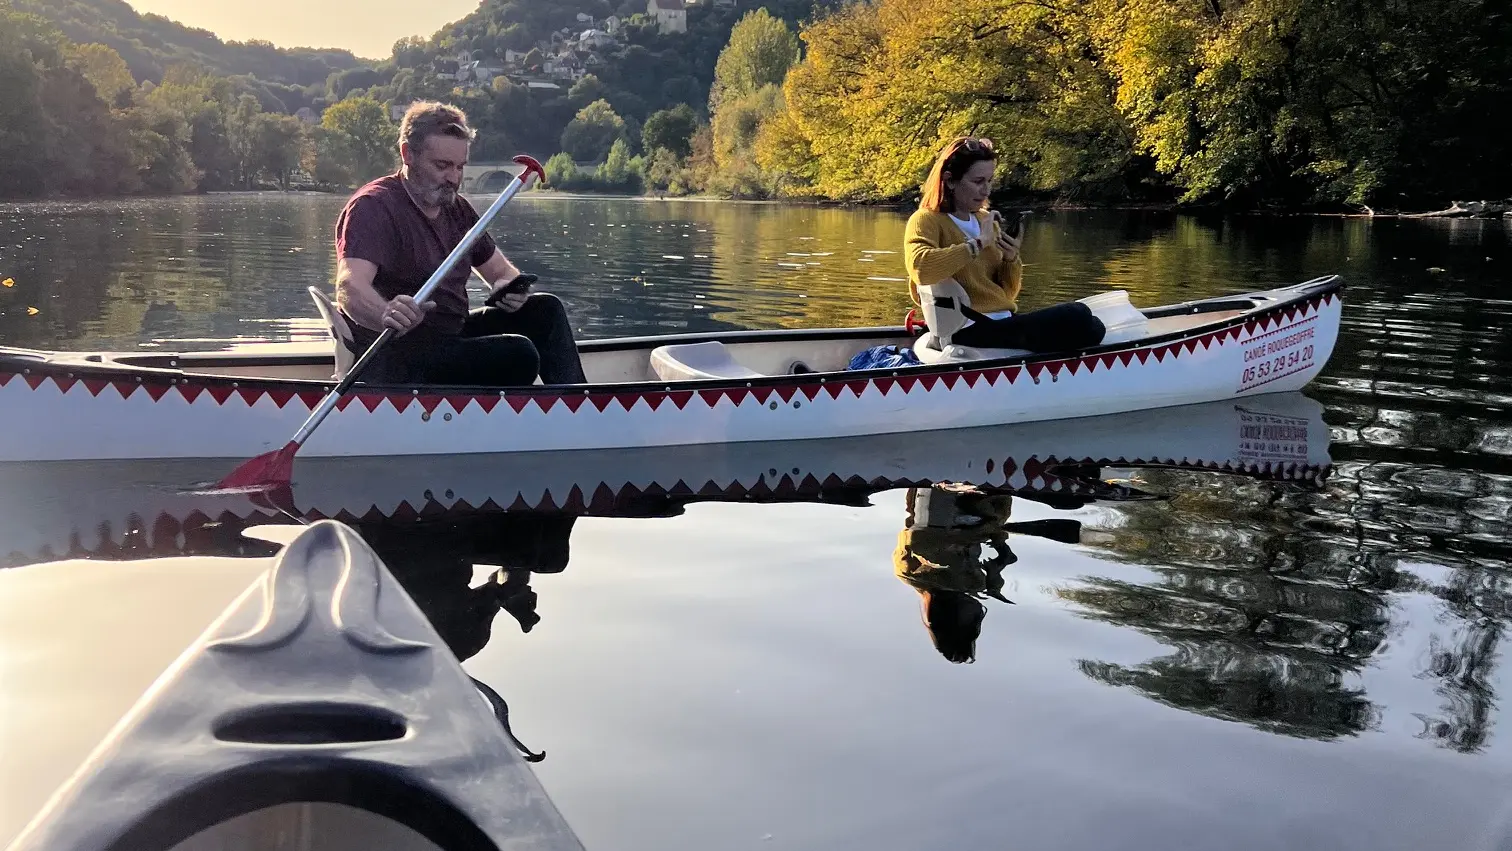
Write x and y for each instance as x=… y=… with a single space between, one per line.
x=392 y=236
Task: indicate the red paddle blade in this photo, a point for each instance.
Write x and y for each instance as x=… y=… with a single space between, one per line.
x=267 y=471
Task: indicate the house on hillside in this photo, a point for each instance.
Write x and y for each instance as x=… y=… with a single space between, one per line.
x=565 y=66
x=585 y=18
x=671 y=15
x=612 y=24
x=594 y=39
x=480 y=72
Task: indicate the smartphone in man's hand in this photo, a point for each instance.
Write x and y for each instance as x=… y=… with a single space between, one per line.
x=520 y=284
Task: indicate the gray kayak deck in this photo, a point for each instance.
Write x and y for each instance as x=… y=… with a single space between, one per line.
x=288 y=703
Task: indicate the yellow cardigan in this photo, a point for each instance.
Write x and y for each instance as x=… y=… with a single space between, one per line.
x=935 y=249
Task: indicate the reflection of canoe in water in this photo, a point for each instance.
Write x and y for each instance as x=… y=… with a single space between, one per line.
x=319 y=709
x=659 y=391
x=130 y=509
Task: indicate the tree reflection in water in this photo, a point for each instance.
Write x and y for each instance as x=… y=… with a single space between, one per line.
x=1266 y=626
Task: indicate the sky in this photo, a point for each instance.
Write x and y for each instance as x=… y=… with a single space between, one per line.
x=368 y=28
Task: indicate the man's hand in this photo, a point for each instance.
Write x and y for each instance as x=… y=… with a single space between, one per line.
x=404 y=313
x=508 y=296
x=510 y=302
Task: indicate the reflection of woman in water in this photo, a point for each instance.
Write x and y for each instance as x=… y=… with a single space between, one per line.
x=940 y=553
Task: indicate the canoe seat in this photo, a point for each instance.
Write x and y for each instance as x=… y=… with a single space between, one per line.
x=942 y=314
x=695 y=361
x=341 y=335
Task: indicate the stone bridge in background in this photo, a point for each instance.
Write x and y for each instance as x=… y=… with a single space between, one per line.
x=488 y=178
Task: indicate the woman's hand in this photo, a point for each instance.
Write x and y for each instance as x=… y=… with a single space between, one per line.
x=1005 y=243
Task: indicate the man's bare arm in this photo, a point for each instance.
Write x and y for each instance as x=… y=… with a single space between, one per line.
x=498 y=270
x=357 y=298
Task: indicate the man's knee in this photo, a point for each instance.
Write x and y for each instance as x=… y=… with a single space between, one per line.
x=546 y=304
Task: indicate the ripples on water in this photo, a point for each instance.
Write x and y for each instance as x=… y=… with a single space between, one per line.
x=1370 y=609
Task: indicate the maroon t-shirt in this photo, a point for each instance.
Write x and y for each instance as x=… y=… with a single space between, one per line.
x=383 y=225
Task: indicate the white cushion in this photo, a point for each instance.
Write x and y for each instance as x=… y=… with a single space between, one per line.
x=694 y=361
x=341 y=335
x=924 y=348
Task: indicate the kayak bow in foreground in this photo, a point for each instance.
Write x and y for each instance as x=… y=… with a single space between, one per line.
x=322 y=687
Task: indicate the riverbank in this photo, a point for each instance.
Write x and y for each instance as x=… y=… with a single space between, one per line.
x=1486 y=210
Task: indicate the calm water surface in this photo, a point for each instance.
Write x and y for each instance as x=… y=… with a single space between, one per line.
x=1231 y=662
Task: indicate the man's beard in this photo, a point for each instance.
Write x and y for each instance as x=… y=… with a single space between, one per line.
x=432 y=194
x=435 y=196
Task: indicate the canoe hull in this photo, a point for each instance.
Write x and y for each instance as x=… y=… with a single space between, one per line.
x=141 y=509
x=59 y=413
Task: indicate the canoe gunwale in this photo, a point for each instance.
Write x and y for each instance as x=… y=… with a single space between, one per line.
x=94 y=366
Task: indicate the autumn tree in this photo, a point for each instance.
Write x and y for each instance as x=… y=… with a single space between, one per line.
x=760 y=51
x=739 y=120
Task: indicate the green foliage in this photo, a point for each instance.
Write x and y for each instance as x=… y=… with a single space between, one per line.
x=561 y=172
x=663 y=167
x=739 y=120
x=105 y=70
x=1244 y=102
x=591 y=133
x=620 y=172
x=760 y=51
x=363 y=136
x=586 y=91
x=671 y=130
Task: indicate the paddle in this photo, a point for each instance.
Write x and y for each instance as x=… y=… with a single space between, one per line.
x=273 y=469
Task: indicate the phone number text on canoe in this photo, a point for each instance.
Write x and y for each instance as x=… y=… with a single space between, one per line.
x=1269 y=360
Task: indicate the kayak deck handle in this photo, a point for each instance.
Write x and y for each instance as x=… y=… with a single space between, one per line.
x=311 y=724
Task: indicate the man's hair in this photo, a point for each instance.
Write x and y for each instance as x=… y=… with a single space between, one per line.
x=425 y=119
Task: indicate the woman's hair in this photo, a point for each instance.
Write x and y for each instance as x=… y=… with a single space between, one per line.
x=959 y=156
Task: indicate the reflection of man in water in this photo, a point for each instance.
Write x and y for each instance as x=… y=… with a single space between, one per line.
x=940 y=553
x=435 y=564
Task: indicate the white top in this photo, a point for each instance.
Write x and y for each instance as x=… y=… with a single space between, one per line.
x=969 y=226
x=973 y=230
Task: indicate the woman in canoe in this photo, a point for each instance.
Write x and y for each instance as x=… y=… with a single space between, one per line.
x=953 y=236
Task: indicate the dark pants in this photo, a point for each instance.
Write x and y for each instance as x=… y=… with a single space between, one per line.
x=495 y=349
x=1058 y=328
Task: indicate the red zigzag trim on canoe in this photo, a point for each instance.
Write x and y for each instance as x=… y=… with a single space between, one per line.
x=626 y=400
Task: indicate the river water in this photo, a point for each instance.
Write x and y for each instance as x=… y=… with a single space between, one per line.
x=1189 y=659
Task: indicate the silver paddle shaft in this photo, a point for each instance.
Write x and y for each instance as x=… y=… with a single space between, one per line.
x=420 y=296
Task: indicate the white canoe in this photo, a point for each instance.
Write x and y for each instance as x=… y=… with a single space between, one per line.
x=657 y=391
x=142 y=509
